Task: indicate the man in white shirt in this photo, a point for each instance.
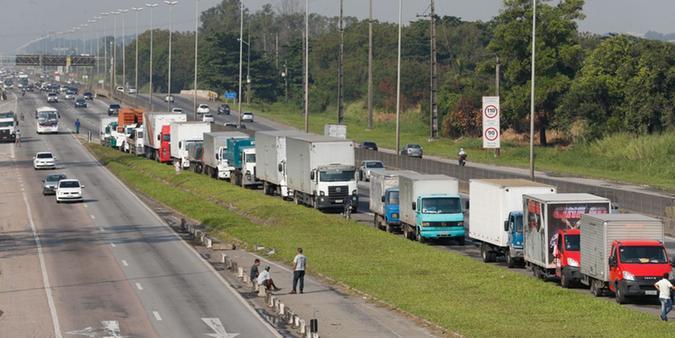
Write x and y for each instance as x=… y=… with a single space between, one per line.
x=665 y=286
x=299 y=266
x=265 y=279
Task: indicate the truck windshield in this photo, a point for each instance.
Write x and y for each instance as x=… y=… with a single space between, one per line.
x=643 y=255
x=441 y=205
x=336 y=175
x=374 y=165
x=7 y=124
x=518 y=223
x=392 y=197
x=572 y=242
x=250 y=158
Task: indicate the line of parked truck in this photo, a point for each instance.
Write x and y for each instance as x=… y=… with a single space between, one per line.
x=572 y=237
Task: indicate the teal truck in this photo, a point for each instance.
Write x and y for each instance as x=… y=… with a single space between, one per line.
x=240 y=157
x=430 y=207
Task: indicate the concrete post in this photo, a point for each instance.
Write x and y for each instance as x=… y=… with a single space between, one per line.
x=240 y=272
x=282 y=309
x=222 y=258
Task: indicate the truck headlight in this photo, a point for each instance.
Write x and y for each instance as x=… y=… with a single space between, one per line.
x=394 y=215
x=322 y=193
x=354 y=192
x=628 y=276
x=572 y=262
x=460 y=224
x=425 y=224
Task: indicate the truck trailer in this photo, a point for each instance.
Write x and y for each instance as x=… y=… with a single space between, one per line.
x=270 y=148
x=384 y=198
x=215 y=145
x=320 y=171
x=497 y=216
x=184 y=133
x=157 y=136
x=544 y=215
x=623 y=253
x=430 y=207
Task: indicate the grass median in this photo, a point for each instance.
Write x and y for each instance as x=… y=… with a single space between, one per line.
x=446 y=288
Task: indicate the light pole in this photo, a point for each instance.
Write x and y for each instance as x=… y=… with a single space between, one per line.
x=398 y=80
x=370 y=65
x=170 y=4
x=241 y=50
x=105 y=50
x=136 y=9
x=534 y=27
x=113 y=84
x=307 y=66
x=124 y=50
x=194 y=89
x=151 y=6
x=248 y=68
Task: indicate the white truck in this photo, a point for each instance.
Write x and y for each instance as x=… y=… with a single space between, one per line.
x=320 y=171
x=430 y=207
x=183 y=133
x=384 y=198
x=134 y=143
x=270 y=147
x=215 y=145
x=105 y=128
x=8 y=124
x=497 y=216
x=156 y=139
x=335 y=130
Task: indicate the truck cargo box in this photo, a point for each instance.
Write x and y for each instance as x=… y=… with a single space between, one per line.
x=380 y=181
x=271 y=152
x=154 y=121
x=413 y=185
x=213 y=142
x=127 y=116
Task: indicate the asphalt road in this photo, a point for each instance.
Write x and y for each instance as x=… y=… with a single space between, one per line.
x=104 y=267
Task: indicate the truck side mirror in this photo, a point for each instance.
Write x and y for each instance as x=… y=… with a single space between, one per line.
x=311 y=175
x=280 y=167
x=466 y=205
x=672 y=261
x=158 y=137
x=612 y=262
x=382 y=198
x=180 y=144
x=414 y=205
x=506 y=225
x=217 y=156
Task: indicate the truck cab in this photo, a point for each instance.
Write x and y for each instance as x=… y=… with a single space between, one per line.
x=514 y=227
x=240 y=157
x=439 y=216
x=634 y=267
x=567 y=257
x=391 y=208
x=8 y=124
x=333 y=185
x=164 y=138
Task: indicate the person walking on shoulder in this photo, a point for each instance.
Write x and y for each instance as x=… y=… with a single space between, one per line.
x=77 y=126
x=254 y=270
x=299 y=266
x=665 y=286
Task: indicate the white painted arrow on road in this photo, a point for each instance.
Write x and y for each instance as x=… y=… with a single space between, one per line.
x=218 y=328
x=110 y=328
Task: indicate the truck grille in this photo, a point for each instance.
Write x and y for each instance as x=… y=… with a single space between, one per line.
x=338 y=191
x=443 y=224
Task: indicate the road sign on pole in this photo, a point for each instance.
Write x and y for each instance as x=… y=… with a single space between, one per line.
x=491 y=113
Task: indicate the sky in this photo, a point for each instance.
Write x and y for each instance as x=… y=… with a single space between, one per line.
x=24 y=20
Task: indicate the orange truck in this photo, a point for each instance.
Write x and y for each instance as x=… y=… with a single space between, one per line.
x=127 y=116
x=130 y=127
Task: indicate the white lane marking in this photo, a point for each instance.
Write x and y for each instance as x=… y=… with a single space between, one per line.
x=125 y=263
x=139 y=286
x=87 y=332
x=86 y=206
x=218 y=328
x=112 y=328
x=43 y=268
x=113 y=245
x=157 y=316
x=92 y=216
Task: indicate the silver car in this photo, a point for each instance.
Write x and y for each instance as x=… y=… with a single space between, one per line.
x=50 y=182
x=412 y=150
x=367 y=167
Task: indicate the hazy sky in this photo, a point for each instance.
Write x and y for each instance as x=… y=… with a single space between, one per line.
x=24 y=20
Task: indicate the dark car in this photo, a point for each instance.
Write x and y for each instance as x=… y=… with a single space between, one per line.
x=50 y=182
x=88 y=96
x=412 y=150
x=80 y=102
x=235 y=125
x=370 y=145
x=113 y=109
x=224 y=109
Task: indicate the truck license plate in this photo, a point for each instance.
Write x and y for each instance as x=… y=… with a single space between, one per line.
x=444 y=234
x=338 y=201
x=650 y=292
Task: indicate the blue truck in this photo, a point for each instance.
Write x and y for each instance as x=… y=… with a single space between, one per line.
x=241 y=162
x=430 y=207
x=384 y=197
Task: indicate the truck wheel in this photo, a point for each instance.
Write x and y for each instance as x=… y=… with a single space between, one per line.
x=564 y=280
x=418 y=237
x=596 y=289
x=510 y=262
x=485 y=253
x=461 y=241
x=619 y=295
x=376 y=221
x=405 y=232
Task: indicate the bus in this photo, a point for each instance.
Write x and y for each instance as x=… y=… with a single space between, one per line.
x=47 y=120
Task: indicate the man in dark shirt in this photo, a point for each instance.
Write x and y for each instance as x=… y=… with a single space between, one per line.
x=254 y=270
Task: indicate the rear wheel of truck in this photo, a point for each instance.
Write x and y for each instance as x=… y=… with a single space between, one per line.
x=596 y=288
x=487 y=255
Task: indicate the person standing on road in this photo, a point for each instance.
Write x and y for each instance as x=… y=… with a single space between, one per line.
x=17 y=138
x=299 y=266
x=77 y=126
x=254 y=270
x=665 y=286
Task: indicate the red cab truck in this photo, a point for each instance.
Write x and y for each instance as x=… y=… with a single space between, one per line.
x=567 y=257
x=157 y=136
x=623 y=253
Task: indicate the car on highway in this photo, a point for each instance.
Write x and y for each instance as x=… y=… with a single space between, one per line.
x=169 y=98
x=224 y=109
x=70 y=95
x=88 y=96
x=131 y=90
x=69 y=190
x=234 y=125
x=120 y=89
x=370 y=145
x=367 y=167
x=44 y=160
x=203 y=109
x=412 y=150
x=208 y=118
x=176 y=110
x=113 y=109
x=50 y=182
x=247 y=116
x=52 y=98
x=80 y=102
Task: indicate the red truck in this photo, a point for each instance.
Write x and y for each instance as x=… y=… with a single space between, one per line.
x=567 y=257
x=157 y=136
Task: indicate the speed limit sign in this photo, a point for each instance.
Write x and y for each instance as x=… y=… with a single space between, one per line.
x=491 y=113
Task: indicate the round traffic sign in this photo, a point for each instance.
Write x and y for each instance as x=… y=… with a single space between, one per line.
x=491 y=111
x=491 y=134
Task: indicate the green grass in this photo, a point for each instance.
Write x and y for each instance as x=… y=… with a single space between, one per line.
x=446 y=288
x=621 y=157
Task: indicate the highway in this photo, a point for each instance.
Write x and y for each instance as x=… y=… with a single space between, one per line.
x=104 y=267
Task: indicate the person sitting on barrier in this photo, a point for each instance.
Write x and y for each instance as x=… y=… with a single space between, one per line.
x=265 y=279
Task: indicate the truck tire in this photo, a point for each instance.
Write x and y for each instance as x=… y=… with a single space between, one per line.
x=406 y=235
x=510 y=261
x=486 y=254
x=418 y=237
x=461 y=241
x=564 y=280
x=376 y=221
x=596 y=289
x=620 y=295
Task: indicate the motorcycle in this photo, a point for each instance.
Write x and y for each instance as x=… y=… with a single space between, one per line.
x=462 y=160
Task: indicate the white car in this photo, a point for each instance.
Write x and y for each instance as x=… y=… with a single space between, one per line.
x=69 y=190
x=168 y=98
x=120 y=89
x=203 y=109
x=208 y=118
x=247 y=116
x=176 y=110
x=44 y=160
x=131 y=90
x=367 y=167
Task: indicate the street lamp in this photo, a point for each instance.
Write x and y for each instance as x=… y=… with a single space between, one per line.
x=241 y=49
x=194 y=89
x=398 y=79
x=307 y=66
x=151 y=6
x=534 y=27
x=113 y=83
x=124 y=46
x=105 y=50
x=136 y=9
x=170 y=4
x=248 y=68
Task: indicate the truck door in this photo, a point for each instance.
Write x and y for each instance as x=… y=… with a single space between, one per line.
x=614 y=273
x=558 y=254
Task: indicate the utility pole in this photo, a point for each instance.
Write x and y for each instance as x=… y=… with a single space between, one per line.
x=497 y=78
x=124 y=51
x=248 y=65
x=241 y=51
x=534 y=27
x=341 y=112
x=169 y=96
x=370 y=65
x=434 y=76
x=152 y=30
x=276 y=51
x=136 y=9
x=398 y=80
x=194 y=90
x=307 y=66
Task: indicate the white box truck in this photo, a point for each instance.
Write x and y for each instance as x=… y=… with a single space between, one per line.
x=215 y=145
x=270 y=148
x=183 y=133
x=431 y=207
x=546 y=218
x=497 y=216
x=320 y=171
x=384 y=198
x=623 y=253
x=156 y=139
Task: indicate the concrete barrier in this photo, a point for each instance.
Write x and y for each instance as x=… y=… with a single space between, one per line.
x=270 y=300
x=296 y=320
x=223 y=257
x=240 y=272
x=262 y=291
x=303 y=326
x=282 y=308
x=234 y=266
x=209 y=243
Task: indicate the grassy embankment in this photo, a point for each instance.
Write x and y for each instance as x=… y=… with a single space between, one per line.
x=451 y=290
x=625 y=158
